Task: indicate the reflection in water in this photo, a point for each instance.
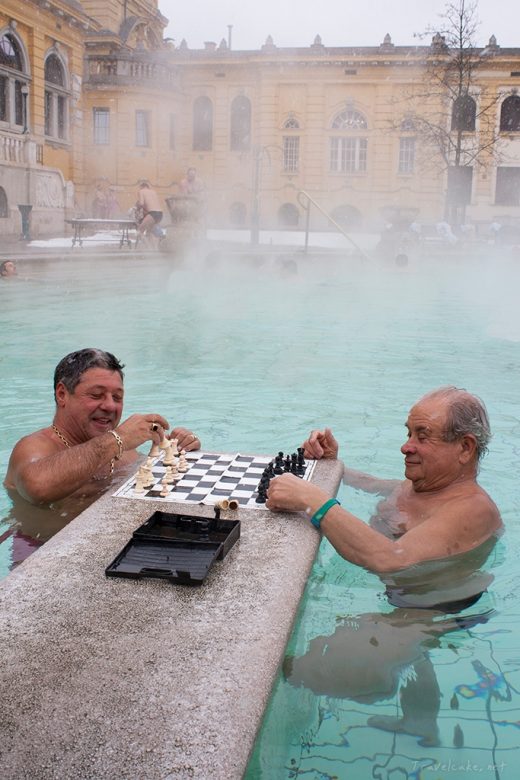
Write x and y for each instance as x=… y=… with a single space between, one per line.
x=372 y=655
x=369 y=656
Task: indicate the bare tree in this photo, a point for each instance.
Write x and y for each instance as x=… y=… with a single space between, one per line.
x=450 y=111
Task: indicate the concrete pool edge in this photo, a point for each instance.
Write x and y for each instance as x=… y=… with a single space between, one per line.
x=108 y=677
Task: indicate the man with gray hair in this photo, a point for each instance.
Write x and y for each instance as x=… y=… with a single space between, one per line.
x=437 y=512
x=86 y=441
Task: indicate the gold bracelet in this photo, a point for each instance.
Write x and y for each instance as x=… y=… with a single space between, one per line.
x=119 y=440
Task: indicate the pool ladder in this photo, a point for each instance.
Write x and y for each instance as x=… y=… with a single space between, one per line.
x=306 y=206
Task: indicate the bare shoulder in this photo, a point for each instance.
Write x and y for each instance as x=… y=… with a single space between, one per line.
x=471 y=515
x=34 y=446
x=483 y=508
x=39 y=440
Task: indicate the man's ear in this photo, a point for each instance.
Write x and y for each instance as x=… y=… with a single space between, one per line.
x=60 y=394
x=468 y=448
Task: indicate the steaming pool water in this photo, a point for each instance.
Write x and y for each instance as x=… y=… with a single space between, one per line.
x=252 y=358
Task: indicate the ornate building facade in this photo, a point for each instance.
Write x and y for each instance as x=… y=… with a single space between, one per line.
x=93 y=99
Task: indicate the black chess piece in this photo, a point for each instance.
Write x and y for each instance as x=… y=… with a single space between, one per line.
x=263 y=485
x=261 y=497
x=294 y=464
x=278 y=464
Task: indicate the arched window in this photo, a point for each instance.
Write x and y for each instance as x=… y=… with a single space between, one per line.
x=408 y=125
x=348 y=153
x=349 y=120
x=4 y=207
x=288 y=215
x=240 y=140
x=510 y=114
x=56 y=98
x=202 y=124
x=237 y=214
x=463 y=114
x=291 y=124
x=13 y=83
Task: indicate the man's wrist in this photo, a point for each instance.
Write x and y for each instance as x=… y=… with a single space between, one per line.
x=320 y=513
x=120 y=445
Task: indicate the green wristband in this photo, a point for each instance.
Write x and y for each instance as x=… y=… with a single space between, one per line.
x=322 y=511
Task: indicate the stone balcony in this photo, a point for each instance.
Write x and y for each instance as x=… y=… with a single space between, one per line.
x=19 y=148
x=125 y=71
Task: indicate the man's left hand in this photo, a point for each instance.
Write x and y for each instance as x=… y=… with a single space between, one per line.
x=186 y=440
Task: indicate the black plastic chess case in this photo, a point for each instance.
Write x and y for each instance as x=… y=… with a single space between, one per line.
x=177 y=547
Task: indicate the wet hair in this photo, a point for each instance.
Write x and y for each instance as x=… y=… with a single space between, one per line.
x=466 y=414
x=143 y=184
x=72 y=367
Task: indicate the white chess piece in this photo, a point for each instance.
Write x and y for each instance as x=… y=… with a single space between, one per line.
x=183 y=463
x=155 y=451
x=139 y=487
x=175 y=470
x=148 y=476
x=168 y=454
x=165 y=488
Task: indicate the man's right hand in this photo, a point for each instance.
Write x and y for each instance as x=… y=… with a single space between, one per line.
x=140 y=428
x=321 y=444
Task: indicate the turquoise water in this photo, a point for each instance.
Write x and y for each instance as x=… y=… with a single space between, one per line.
x=253 y=360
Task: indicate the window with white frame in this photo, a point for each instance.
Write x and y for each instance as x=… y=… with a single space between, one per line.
x=13 y=82
x=291 y=146
x=291 y=153
x=56 y=99
x=101 y=126
x=348 y=153
x=406 y=154
x=142 y=128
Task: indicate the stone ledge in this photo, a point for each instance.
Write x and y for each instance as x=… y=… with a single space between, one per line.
x=107 y=677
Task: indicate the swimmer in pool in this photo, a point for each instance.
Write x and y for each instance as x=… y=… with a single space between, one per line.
x=428 y=541
x=86 y=442
x=8 y=268
x=437 y=512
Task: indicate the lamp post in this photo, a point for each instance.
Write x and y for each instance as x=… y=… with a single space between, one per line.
x=25 y=209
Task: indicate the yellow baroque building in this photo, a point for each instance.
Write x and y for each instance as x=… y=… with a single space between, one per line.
x=93 y=99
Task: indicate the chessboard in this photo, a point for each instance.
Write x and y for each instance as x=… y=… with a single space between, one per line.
x=210 y=479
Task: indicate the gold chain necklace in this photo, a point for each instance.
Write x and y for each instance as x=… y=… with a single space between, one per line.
x=68 y=445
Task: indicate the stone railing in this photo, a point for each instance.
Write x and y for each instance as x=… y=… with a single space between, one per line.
x=115 y=70
x=12 y=148
x=15 y=148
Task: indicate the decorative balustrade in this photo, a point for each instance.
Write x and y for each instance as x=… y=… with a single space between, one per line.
x=119 y=69
x=15 y=148
x=12 y=148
